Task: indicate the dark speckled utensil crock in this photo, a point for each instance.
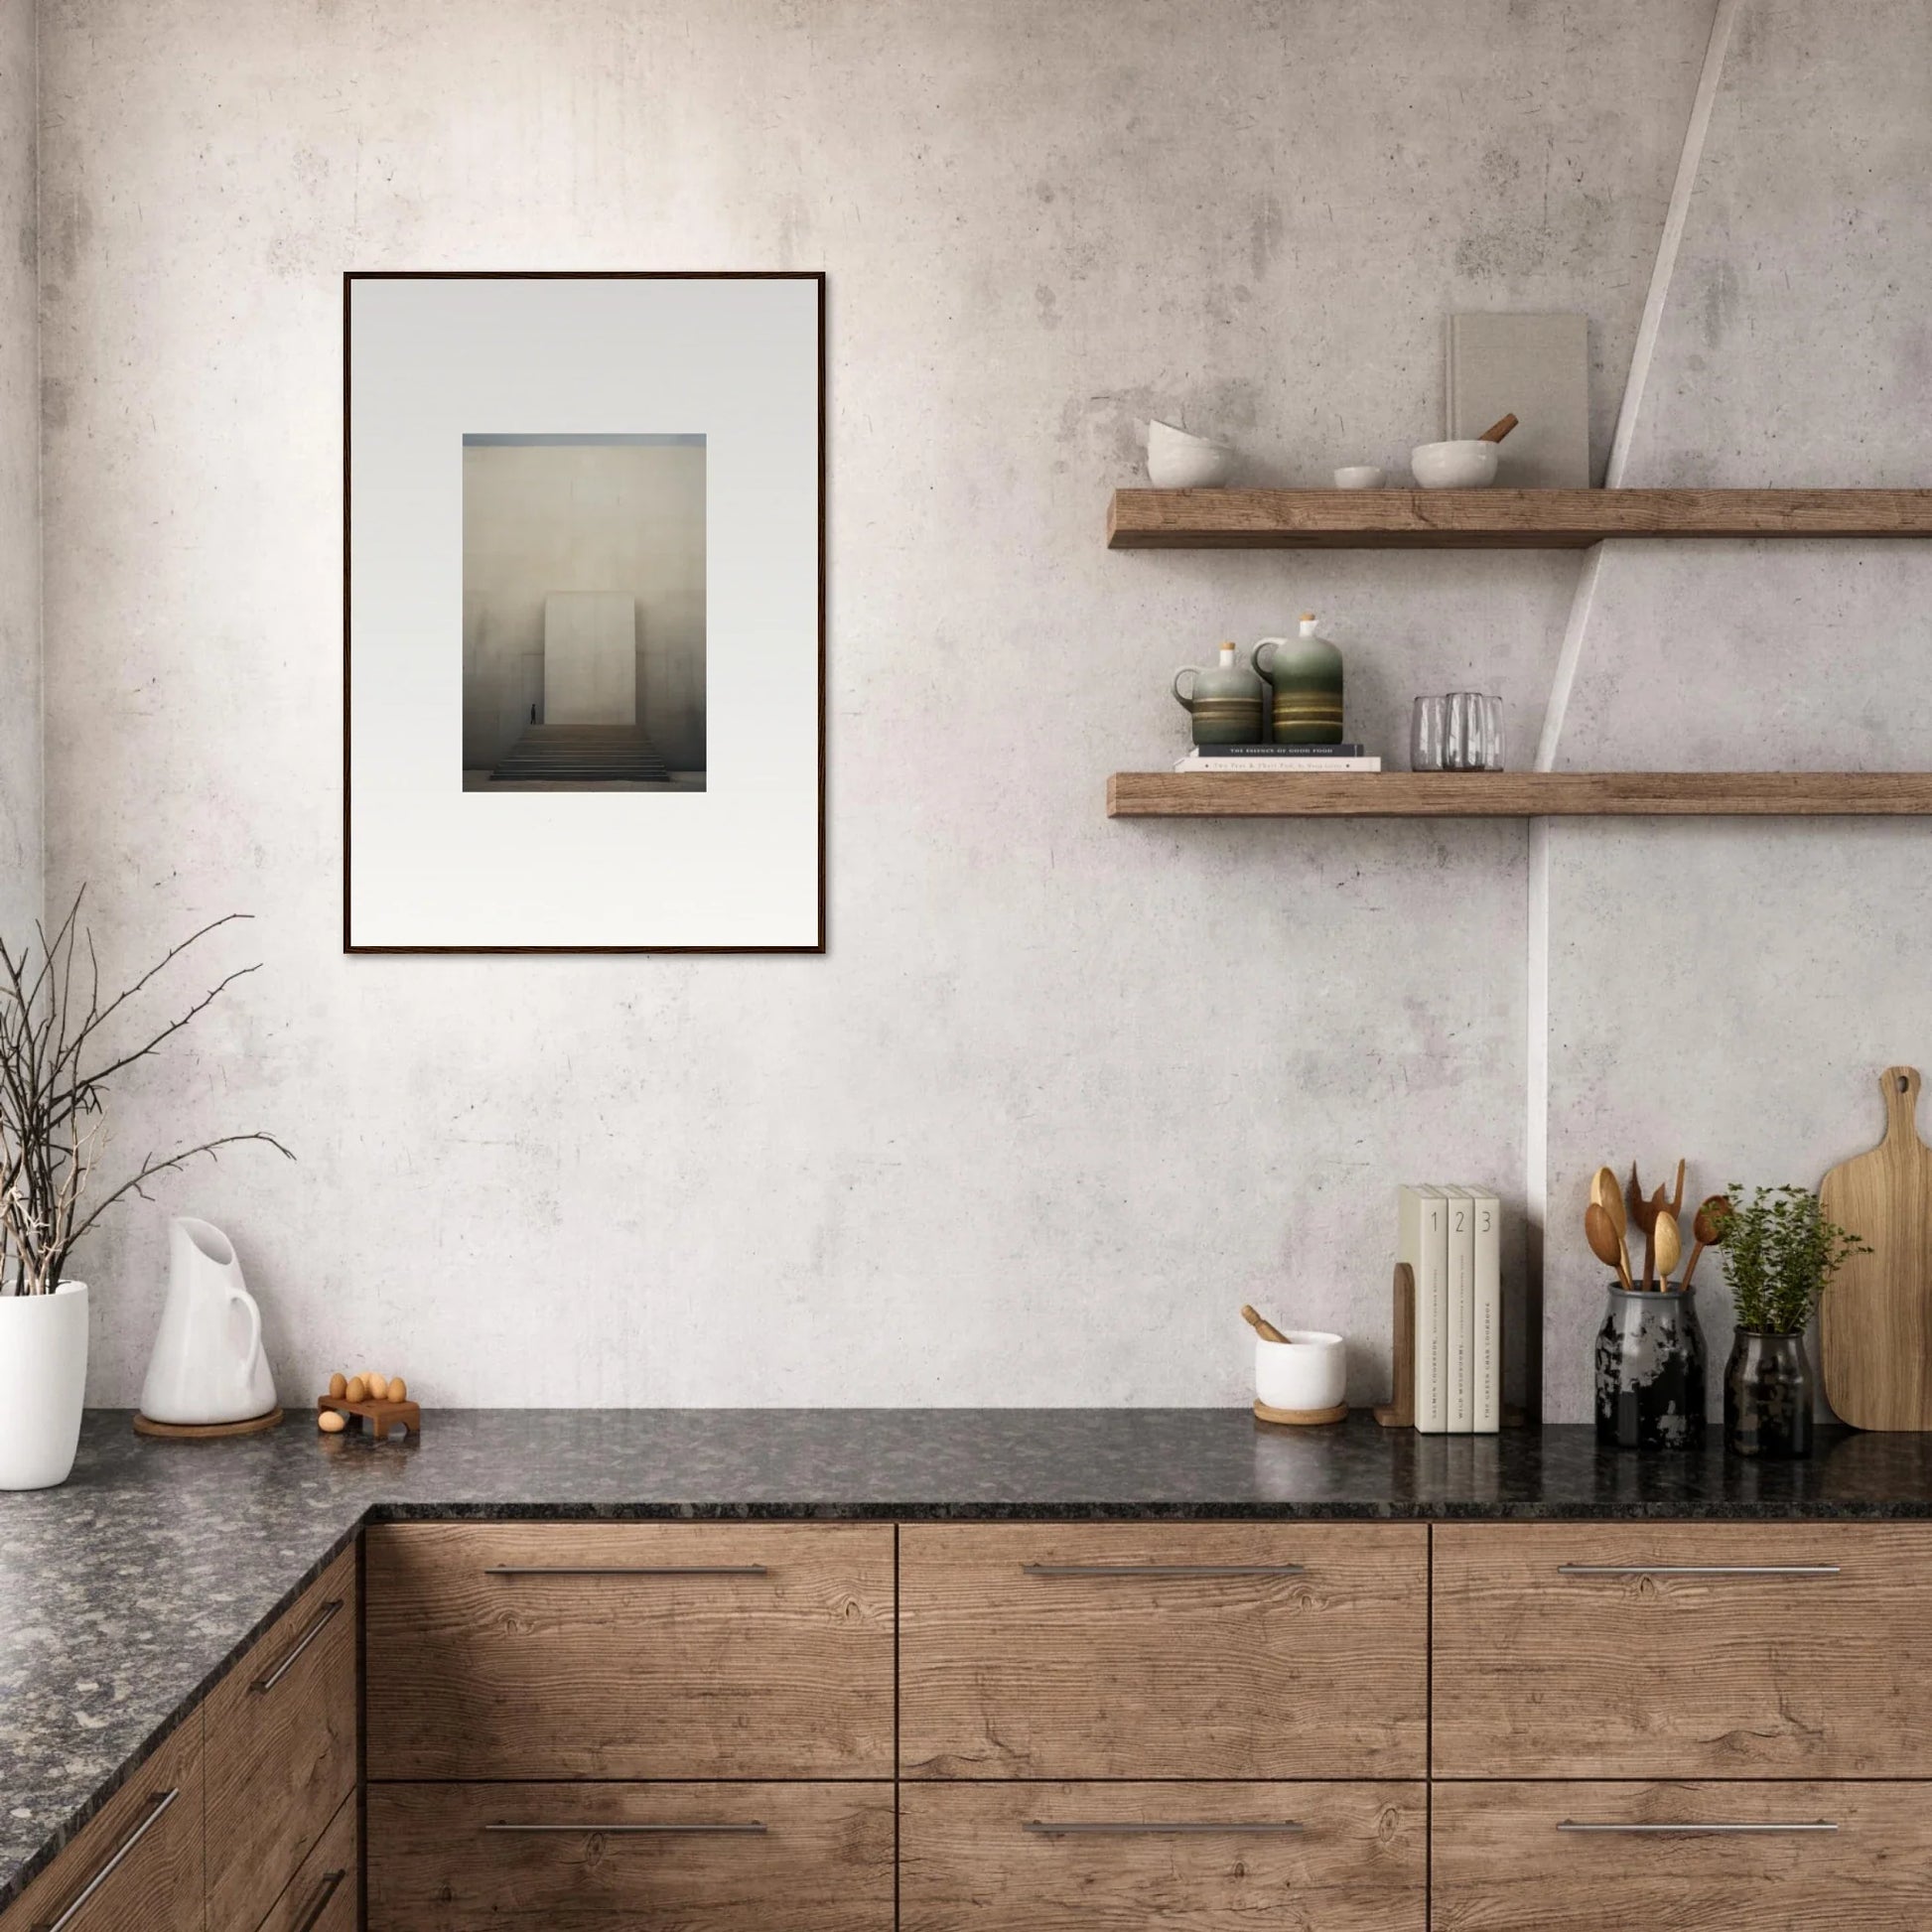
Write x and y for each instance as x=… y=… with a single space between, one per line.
x=1650 y=1370
x=1768 y=1396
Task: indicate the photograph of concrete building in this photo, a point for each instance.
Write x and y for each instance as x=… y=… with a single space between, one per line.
x=584 y=613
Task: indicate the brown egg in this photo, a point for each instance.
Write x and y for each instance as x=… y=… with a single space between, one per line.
x=378 y=1386
x=338 y=1385
x=398 y=1389
x=332 y=1422
x=356 y=1391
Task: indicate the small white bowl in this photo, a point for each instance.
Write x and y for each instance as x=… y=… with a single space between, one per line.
x=1455 y=465
x=1309 y=1371
x=1178 y=461
x=1358 y=476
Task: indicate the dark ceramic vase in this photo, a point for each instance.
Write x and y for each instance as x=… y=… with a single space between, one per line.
x=1768 y=1395
x=1650 y=1370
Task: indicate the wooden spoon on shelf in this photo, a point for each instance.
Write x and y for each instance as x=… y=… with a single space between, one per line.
x=1706 y=1229
x=1606 y=1243
x=1259 y=1324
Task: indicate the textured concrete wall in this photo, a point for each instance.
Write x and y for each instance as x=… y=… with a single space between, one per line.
x=20 y=451
x=596 y=518
x=1731 y=992
x=1065 y=1092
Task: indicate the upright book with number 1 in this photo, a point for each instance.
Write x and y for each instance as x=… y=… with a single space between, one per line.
x=1423 y=1242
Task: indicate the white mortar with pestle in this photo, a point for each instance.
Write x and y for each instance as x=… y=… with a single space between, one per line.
x=1300 y=1374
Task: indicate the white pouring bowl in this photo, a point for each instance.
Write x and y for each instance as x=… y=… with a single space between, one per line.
x=1307 y=1372
x=1178 y=461
x=1468 y=465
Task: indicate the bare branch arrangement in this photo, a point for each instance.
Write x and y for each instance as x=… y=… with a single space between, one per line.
x=55 y=1062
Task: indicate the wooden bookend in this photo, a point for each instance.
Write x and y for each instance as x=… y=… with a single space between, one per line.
x=1400 y=1411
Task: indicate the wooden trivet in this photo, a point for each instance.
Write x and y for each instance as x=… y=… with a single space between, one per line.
x=205 y=1432
x=376 y=1417
x=1302 y=1418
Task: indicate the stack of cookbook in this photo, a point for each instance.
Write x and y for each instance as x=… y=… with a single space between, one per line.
x=1451 y=1239
x=1279 y=758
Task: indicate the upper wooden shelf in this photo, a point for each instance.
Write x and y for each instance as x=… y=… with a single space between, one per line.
x=1497 y=520
x=1519 y=794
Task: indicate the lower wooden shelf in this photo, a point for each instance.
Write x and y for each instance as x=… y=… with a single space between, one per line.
x=1519 y=794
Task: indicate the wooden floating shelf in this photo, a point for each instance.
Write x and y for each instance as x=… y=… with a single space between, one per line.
x=1519 y=794
x=1497 y=520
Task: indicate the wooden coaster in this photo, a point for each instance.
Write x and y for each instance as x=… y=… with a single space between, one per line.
x=1302 y=1418
x=376 y=1417
x=205 y=1432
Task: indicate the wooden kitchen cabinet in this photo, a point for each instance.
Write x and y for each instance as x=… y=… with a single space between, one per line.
x=1149 y=1650
x=281 y=1751
x=630 y=1651
x=741 y=1856
x=1716 y=1650
x=987 y=1857
x=1755 y=1857
x=322 y=1894
x=136 y=1866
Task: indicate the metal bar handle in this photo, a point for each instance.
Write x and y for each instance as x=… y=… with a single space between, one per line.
x=1163 y=1570
x=1698 y=1570
x=1813 y=1825
x=626 y=1570
x=748 y=1829
x=266 y=1684
x=1124 y=1827
x=158 y=1804
x=318 y=1905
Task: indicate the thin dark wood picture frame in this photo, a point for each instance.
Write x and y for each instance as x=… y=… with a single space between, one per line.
x=350 y=278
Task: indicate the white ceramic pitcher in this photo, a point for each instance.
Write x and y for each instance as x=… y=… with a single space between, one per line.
x=207 y=1363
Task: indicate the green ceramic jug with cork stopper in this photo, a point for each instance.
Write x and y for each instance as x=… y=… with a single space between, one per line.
x=1306 y=673
x=1224 y=702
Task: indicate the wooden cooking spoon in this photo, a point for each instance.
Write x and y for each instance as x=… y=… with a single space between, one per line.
x=1677 y=1194
x=1655 y=1210
x=1604 y=1241
x=1259 y=1324
x=1603 y=1191
x=1670 y=1245
x=1637 y=1202
x=1498 y=430
x=1706 y=1229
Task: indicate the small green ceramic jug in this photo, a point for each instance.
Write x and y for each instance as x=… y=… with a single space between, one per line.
x=1305 y=673
x=1225 y=702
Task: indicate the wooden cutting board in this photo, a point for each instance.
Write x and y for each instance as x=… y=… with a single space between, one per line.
x=1876 y=1323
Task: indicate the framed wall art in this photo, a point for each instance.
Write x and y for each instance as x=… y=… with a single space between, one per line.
x=584 y=561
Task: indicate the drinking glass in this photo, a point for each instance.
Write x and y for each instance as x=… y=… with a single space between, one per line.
x=1426 y=734
x=1493 y=734
x=1463 y=732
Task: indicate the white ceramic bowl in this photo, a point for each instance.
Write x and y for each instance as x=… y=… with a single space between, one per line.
x=1455 y=465
x=1358 y=476
x=1178 y=461
x=1309 y=1370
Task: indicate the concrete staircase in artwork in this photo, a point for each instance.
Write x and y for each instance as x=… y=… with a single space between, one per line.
x=581 y=753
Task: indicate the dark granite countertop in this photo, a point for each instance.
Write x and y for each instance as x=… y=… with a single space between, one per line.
x=126 y=1594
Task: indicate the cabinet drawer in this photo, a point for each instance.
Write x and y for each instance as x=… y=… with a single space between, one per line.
x=652 y=1650
x=281 y=1751
x=321 y=1897
x=1700 y=1650
x=1504 y=1861
x=136 y=1866
x=598 y=1858
x=1216 y=1650
x=1201 y=1858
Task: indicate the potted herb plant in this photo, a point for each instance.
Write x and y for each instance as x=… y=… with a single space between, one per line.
x=1780 y=1253
x=62 y=1043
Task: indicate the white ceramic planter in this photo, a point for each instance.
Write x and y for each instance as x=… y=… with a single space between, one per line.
x=1309 y=1371
x=43 y=1381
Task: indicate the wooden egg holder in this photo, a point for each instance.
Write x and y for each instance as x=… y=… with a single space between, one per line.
x=376 y=1417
